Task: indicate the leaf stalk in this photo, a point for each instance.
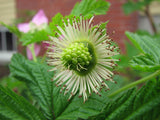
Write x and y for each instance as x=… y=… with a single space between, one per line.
x=31 y=47
x=133 y=84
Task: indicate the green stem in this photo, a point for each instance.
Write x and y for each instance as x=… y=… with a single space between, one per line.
x=135 y=83
x=31 y=47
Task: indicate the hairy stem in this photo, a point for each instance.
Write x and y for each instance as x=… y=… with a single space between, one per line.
x=150 y=19
x=135 y=83
x=31 y=47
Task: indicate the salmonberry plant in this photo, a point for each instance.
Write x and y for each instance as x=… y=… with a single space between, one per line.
x=75 y=78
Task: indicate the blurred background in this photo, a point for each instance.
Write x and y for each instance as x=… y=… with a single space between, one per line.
x=20 y=11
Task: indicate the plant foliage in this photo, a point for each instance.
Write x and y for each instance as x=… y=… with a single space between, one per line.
x=90 y=7
x=36 y=36
x=37 y=79
x=14 y=107
x=12 y=29
x=50 y=104
x=134 y=104
x=48 y=96
x=150 y=60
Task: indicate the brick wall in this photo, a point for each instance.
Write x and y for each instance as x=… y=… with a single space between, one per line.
x=118 y=21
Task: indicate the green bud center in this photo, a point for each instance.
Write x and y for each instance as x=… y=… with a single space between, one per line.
x=76 y=57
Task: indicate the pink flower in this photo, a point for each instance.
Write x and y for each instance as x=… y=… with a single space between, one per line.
x=23 y=27
x=37 y=22
x=40 y=18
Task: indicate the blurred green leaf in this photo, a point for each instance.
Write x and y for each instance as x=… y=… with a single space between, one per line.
x=36 y=36
x=11 y=83
x=90 y=7
x=12 y=29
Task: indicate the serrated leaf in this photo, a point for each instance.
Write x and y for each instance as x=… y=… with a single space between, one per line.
x=94 y=105
x=25 y=70
x=15 y=107
x=144 y=63
x=143 y=104
x=58 y=19
x=90 y=7
x=38 y=80
x=60 y=101
x=87 y=8
x=12 y=29
x=102 y=26
x=34 y=37
x=148 y=46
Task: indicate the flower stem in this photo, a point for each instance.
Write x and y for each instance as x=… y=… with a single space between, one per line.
x=135 y=83
x=33 y=52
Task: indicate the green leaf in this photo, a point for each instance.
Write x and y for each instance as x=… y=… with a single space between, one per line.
x=90 y=7
x=53 y=103
x=58 y=19
x=148 y=46
x=102 y=26
x=87 y=8
x=60 y=101
x=12 y=29
x=38 y=80
x=94 y=105
x=14 y=107
x=34 y=37
x=144 y=63
x=143 y=104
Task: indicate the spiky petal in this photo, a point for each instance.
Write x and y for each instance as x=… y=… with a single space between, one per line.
x=82 y=58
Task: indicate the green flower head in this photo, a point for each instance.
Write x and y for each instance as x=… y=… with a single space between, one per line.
x=82 y=58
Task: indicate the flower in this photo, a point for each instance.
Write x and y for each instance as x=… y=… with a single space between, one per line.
x=38 y=22
x=82 y=58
